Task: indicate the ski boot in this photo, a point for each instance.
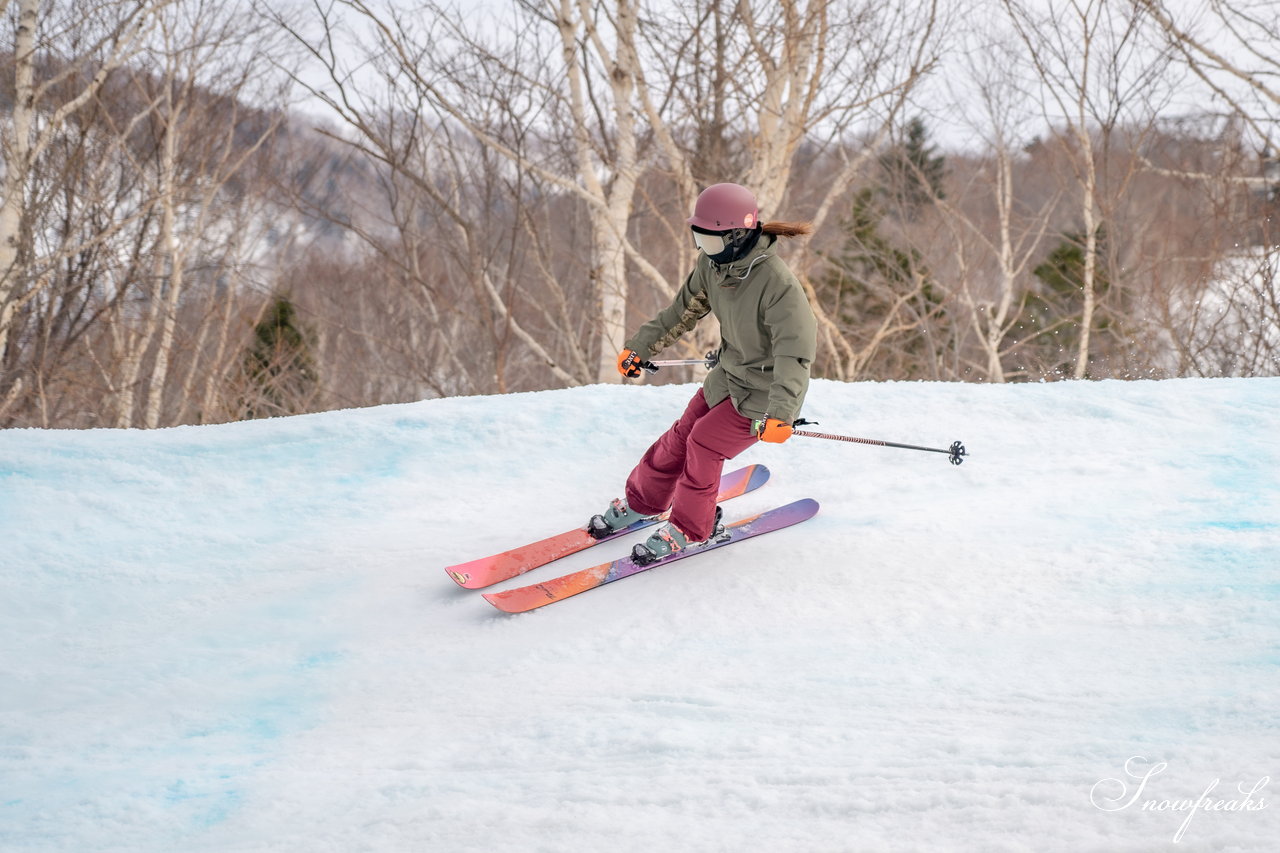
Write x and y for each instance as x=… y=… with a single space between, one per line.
x=671 y=540
x=615 y=519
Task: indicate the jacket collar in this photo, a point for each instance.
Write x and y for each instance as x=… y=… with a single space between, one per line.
x=742 y=267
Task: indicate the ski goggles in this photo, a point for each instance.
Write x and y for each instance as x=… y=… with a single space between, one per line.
x=711 y=244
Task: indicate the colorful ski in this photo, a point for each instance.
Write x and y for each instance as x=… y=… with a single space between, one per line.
x=536 y=595
x=500 y=567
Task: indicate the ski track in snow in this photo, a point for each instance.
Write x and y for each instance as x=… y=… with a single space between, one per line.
x=240 y=637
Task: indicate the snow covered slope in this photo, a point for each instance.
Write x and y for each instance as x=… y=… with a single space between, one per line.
x=239 y=638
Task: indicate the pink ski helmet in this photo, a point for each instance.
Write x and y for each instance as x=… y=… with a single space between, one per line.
x=722 y=207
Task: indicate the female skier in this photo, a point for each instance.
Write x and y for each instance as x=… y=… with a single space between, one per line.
x=768 y=340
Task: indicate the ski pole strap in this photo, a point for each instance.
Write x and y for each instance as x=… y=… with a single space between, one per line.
x=955 y=452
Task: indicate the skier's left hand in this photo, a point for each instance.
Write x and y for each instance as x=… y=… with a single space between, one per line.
x=772 y=430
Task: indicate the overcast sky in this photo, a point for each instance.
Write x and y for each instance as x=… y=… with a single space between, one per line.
x=948 y=99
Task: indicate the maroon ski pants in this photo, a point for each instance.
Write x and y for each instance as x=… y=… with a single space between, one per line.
x=682 y=468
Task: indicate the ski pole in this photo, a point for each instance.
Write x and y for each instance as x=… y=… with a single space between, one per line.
x=956 y=451
x=708 y=361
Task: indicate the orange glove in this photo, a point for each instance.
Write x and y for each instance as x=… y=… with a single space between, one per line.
x=772 y=430
x=629 y=363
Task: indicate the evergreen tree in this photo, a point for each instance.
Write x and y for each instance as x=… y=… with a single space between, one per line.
x=913 y=171
x=885 y=298
x=1049 y=327
x=281 y=372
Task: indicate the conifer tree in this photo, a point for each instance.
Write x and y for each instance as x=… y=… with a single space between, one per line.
x=279 y=366
x=884 y=297
x=1049 y=330
x=913 y=171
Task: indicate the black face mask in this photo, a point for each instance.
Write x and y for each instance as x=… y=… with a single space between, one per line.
x=737 y=243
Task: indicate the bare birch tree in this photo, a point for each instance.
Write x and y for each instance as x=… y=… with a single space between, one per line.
x=1097 y=79
x=459 y=75
x=1233 y=47
x=209 y=60
x=993 y=259
x=744 y=85
x=133 y=209
x=62 y=56
x=1222 y=320
x=588 y=125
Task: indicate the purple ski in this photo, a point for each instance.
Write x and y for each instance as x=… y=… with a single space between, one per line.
x=537 y=595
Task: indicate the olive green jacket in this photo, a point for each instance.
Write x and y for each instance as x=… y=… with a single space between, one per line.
x=767 y=331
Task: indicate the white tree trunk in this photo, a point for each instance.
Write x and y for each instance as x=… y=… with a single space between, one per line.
x=174 y=259
x=1089 y=215
x=613 y=203
x=17 y=164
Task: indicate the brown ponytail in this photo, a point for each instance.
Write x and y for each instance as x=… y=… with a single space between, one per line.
x=788 y=229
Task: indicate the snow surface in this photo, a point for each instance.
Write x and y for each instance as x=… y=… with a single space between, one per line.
x=240 y=638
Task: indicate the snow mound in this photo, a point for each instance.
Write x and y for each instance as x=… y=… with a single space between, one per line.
x=241 y=638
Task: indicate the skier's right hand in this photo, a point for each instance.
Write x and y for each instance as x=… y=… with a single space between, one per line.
x=629 y=362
